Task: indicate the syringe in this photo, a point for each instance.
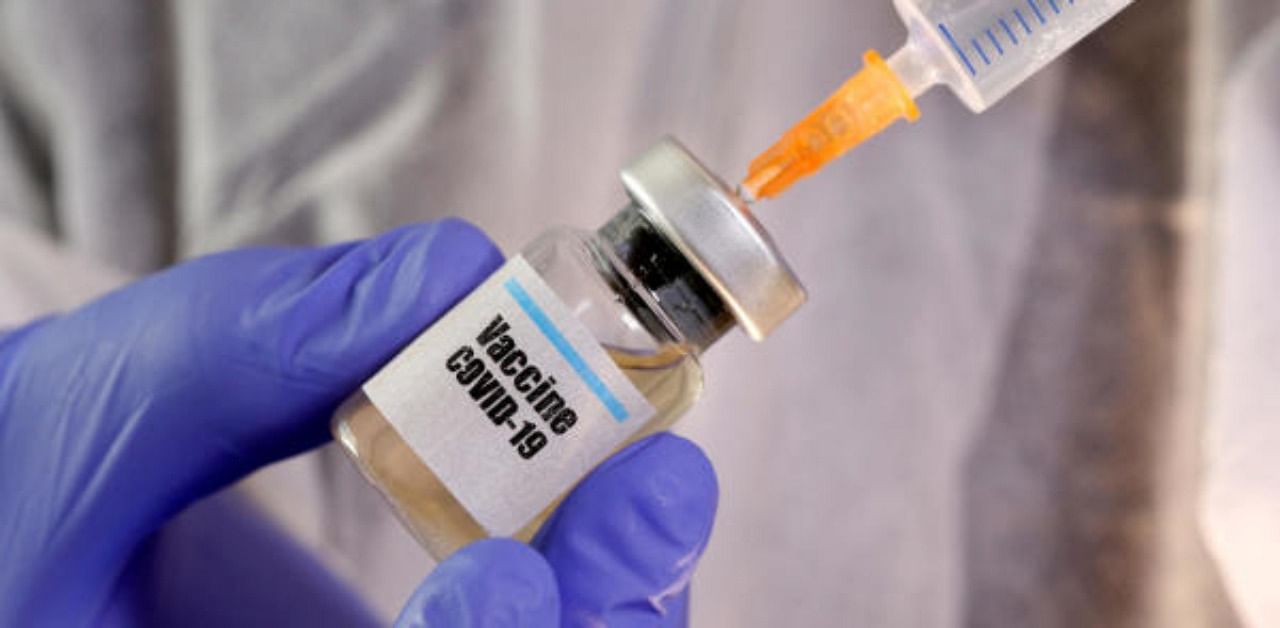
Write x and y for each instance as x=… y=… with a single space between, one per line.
x=981 y=49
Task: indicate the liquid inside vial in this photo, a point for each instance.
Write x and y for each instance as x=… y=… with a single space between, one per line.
x=670 y=378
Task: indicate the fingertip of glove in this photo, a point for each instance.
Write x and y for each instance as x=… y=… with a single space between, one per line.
x=674 y=487
x=669 y=468
x=494 y=582
x=451 y=245
x=469 y=238
x=435 y=264
x=628 y=538
x=288 y=333
x=354 y=305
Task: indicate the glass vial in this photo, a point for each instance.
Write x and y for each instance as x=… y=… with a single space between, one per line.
x=584 y=342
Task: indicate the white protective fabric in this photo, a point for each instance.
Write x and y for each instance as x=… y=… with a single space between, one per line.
x=1241 y=509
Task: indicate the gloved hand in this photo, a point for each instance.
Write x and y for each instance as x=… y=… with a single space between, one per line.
x=618 y=552
x=117 y=417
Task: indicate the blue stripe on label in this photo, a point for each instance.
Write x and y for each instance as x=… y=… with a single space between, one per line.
x=566 y=350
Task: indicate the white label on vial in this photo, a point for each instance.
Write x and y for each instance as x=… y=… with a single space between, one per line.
x=508 y=399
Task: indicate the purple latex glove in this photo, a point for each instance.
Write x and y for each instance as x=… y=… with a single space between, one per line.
x=118 y=416
x=618 y=552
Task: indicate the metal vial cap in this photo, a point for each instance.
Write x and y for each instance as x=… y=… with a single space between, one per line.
x=714 y=229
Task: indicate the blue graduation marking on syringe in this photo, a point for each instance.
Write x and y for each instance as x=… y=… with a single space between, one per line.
x=981 y=53
x=1018 y=13
x=995 y=42
x=1035 y=7
x=1009 y=31
x=1000 y=24
x=956 y=45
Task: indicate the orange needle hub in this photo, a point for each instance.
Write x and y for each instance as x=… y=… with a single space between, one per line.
x=864 y=106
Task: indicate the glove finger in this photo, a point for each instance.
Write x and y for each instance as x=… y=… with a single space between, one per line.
x=119 y=414
x=222 y=562
x=493 y=583
x=309 y=332
x=625 y=543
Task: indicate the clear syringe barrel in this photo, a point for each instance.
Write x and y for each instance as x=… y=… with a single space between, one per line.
x=982 y=49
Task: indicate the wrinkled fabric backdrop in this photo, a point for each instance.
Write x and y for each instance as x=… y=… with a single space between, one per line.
x=1035 y=384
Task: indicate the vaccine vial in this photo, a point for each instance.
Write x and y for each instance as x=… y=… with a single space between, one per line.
x=582 y=343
